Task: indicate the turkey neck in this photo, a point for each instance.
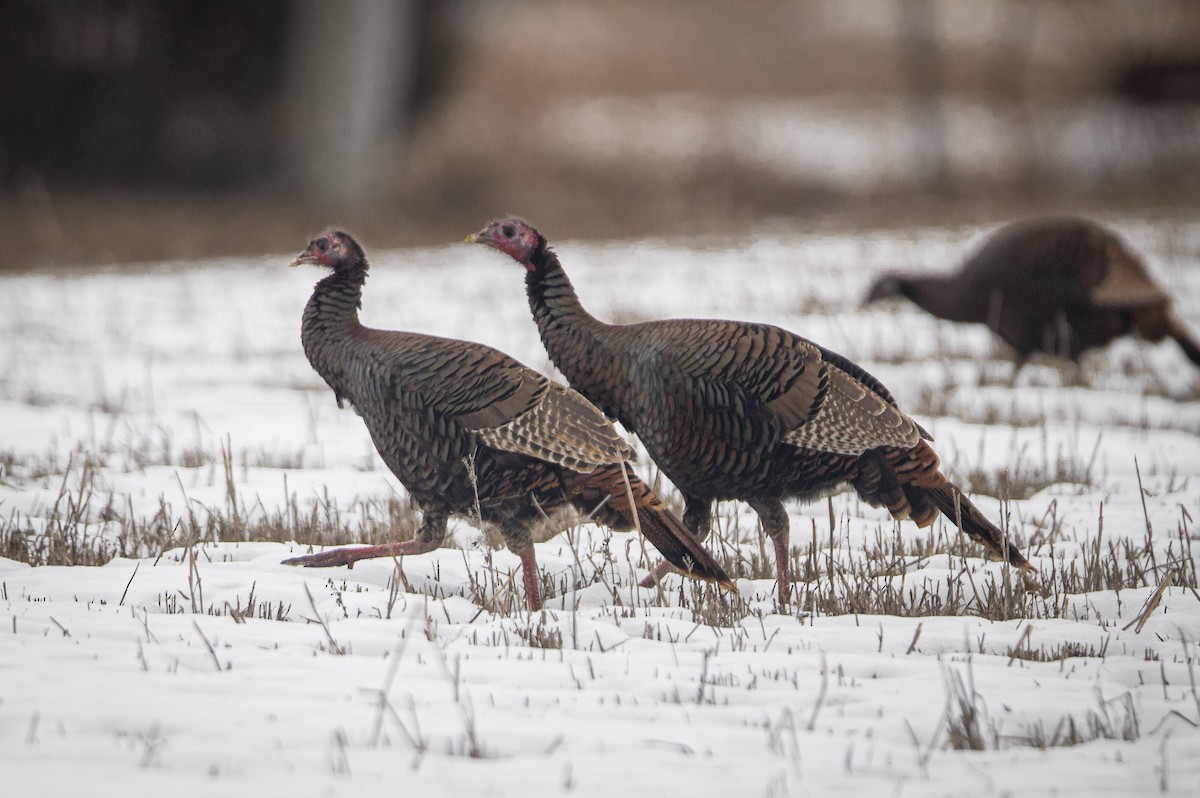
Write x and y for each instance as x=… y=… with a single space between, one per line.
x=944 y=298
x=580 y=345
x=331 y=315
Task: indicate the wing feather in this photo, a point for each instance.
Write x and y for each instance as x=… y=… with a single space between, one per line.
x=563 y=428
x=506 y=404
x=817 y=398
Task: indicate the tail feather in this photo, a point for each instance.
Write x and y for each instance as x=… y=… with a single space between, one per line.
x=909 y=483
x=960 y=510
x=897 y=480
x=657 y=523
x=922 y=510
x=1190 y=347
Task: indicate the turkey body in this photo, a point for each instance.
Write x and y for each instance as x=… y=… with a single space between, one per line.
x=736 y=410
x=470 y=431
x=1056 y=286
x=733 y=409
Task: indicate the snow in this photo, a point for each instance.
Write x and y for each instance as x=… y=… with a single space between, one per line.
x=158 y=672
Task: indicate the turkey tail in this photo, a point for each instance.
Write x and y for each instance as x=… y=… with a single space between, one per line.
x=679 y=546
x=1176 y=330
x=959 y=509
x=909 y=483
x=657 y=523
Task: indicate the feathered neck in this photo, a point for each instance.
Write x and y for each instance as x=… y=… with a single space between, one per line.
x=330 y=318
x=581 y=346
x=942 y=295
x=551 y=295
x=338 y=296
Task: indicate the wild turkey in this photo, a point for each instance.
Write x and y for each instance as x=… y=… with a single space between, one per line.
x=1059 y=286
x=733 y=410
x=470 y=431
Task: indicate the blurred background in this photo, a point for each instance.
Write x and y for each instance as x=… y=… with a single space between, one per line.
x=135 y=130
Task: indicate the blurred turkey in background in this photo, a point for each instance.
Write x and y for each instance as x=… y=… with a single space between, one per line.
x=148 y=130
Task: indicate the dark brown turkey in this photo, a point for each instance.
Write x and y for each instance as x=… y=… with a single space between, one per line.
x=732 y=410
x=470 y=431
x=1058 y=286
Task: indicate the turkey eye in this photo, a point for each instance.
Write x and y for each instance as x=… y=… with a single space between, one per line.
x=508 y=230
x=322 y=245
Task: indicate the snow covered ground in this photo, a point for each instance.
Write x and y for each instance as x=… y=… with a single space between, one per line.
x=137 y=404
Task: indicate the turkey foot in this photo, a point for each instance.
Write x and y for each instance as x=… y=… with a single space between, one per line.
x=662 y=569
x=348 y=555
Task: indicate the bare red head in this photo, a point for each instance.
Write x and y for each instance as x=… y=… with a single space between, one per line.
x=335 y=250
x=514 y=237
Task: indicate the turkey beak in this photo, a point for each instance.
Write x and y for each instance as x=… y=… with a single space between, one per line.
x=474 y=238
x=303 y=257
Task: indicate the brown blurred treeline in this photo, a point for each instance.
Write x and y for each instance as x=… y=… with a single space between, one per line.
x=149 y=129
